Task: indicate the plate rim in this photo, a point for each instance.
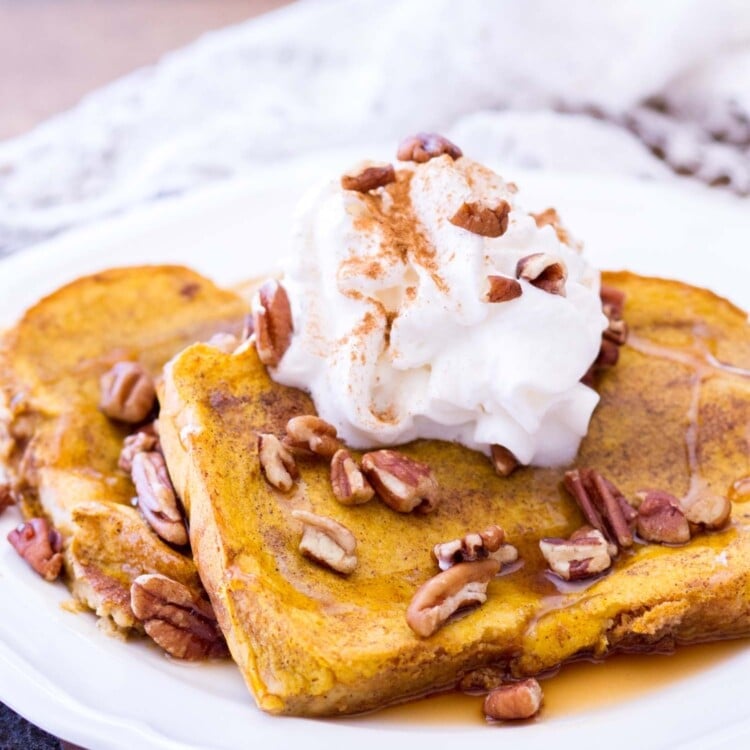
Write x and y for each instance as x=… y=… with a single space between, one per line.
x=47 y=704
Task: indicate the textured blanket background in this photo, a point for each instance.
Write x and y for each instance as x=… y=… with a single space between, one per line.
x=640 y=88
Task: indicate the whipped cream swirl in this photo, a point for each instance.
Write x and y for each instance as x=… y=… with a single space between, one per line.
x=393 y=336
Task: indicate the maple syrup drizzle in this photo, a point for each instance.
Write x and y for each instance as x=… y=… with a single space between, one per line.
x=704 y=365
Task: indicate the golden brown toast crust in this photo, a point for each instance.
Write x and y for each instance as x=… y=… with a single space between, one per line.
x=311 y=642
x=62 y=451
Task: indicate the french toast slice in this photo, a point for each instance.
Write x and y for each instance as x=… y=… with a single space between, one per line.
x=311 y=642
x=61 y=452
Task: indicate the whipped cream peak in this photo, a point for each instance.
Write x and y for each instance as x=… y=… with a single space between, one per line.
x=396 y=336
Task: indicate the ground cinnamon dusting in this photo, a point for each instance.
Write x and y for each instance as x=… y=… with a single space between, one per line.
x=394 y=217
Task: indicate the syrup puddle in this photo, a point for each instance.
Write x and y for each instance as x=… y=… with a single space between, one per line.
x=577 y=688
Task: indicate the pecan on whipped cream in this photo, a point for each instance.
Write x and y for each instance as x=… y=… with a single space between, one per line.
x=416 y=314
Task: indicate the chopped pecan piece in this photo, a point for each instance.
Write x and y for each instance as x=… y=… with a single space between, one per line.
x=583 y=555
x=613 y=337
x=544 y=272
x=661 y=519
x=349 y=484
x=425 y=146
x=156 y=497
x=616 y=332
x=437 y=599
x=276 y=462
x=401 y=482
x=327 y=542
x=613 y=301
x=483 y=220
x=503 y=460
x=144 y=440
x=475 y=546
x=518 y=700
x=127 y=392
x=40 y=545
x=609 y=354
x=181 y=621
x=309 y=434
x=709 y=512
x=502 y=289
x=368 y=176
x=6 y=496
x=272 y=322
x=550 y=218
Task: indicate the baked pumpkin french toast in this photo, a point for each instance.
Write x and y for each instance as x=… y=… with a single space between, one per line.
x=446 y=452
x=312 y=641
x=61 y=451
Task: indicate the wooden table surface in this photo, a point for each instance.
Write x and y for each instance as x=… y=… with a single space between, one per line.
x=53 y=52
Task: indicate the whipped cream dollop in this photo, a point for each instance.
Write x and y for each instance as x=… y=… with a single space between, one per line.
x=395 y=339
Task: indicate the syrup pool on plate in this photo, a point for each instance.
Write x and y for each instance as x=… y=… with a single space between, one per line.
x=578 y=687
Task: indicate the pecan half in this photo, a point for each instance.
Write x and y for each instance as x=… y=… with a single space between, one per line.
x=368 y=176
x=309 y=434
x=143 y=441
x=156 y=497
x=583 y=555
x=272 y=322
x=127 y=392
x=602 y=504
x=661 y=519
x=518 y=700
x=483 y=220
x=475 y=546
x=180 y=620
x=544 y=272
x=709 y=512
x=401 y=482
x=6 y=496
x=276 y=462
x=349 y=484
x=609 y=356
x=40 y=545
x=460 y=586
x=502 y=289
x=327 y=542
x=425 y=146
x=503 y=460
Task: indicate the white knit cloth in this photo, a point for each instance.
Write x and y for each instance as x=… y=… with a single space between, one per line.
x=640 y=88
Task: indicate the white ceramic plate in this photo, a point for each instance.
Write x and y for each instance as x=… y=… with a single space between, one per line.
x=61 y=672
